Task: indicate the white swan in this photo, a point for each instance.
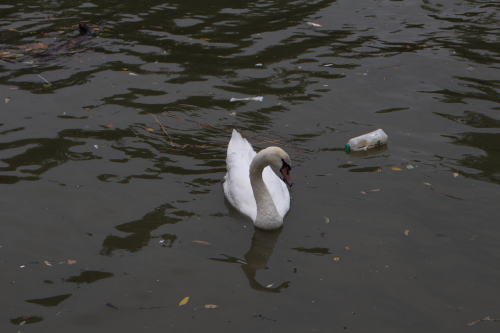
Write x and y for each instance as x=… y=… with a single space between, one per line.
x=253 y=187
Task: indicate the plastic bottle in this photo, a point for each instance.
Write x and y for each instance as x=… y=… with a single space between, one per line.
x=366 y=141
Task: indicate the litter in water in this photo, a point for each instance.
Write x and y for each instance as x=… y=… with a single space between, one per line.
x=367 y=141
x=255 y=99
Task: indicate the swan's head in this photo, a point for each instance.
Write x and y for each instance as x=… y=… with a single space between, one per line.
x=279 y=160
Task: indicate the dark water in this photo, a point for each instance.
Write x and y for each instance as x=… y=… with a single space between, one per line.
x=100 y=205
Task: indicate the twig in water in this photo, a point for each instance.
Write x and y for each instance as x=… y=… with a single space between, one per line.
x=164 y=130
x=44 y=79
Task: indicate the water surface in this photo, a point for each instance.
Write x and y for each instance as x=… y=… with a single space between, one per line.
x=112 y=155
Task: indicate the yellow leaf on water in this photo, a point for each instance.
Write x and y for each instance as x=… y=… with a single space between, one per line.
x=396 y=169
x=149 y=129
x=184 y=301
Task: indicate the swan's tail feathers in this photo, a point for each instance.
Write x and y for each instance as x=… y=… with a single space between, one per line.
x=236 y=138
x=240 y=147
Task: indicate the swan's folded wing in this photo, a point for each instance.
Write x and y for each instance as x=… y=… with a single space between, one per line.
x=278 y=190
x=237 y=187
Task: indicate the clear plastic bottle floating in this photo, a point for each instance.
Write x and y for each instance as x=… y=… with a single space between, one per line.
x=367 y=141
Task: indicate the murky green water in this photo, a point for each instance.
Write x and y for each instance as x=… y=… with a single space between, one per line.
x=112 y=152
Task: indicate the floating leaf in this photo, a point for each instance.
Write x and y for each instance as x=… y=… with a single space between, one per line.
x=71 y=262
x=347 y=248
x=149 y=129
x=184 y=301
x=201 y=242
x=396 y=169
x=210 y=306
x=7 y=100
x=108 y=125
x=336 y=259
x=456 y=174
x=8 y=55
x=472 y=323
x=47 y=263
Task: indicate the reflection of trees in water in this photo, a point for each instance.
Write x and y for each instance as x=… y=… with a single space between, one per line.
x=256 y=258
x=488 y=163
x=139 y=231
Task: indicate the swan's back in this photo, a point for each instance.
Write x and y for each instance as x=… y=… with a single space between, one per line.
x=237 y=186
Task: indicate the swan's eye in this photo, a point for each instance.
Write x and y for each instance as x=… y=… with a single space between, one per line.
x=285 y=166
x=285 y=173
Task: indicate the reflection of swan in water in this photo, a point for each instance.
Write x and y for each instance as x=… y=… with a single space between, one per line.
x=262 y=247
x=256 y=259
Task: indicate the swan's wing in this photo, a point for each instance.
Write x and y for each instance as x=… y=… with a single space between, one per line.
x=237 y=187
x=278 y=190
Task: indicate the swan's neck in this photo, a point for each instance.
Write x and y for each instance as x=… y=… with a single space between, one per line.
x=267 y=214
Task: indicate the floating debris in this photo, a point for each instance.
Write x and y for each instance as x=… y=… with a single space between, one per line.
x=210 y=306
x=367 y=141
x=255 y=99
x=487 y=318
x=201 y=242
x=373 y=190
x=313 y=24
x=109 y=305
x=47 y=83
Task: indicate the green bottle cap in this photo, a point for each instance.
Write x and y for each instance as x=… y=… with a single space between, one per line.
x=347 y=148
